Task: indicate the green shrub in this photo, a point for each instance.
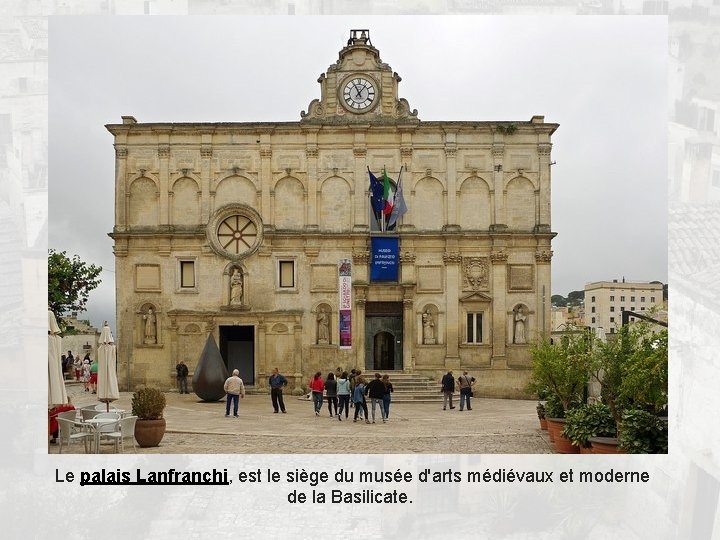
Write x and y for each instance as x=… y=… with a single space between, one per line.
x=554 y=408
x=643 y=433
x=540 y=410
x=148 y=404
x=561 y=369
x=587 y=421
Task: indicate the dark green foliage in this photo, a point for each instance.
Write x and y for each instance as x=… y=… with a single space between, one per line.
x=69 y=282
x=558 y=300
x=589 y=421
x=643 y=433
x=540 y=410
x=562 y=369
x=575 y=298
x=148 y=404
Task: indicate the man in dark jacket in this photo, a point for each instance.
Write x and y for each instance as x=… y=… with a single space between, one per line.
x=448 y=389
x=182 y=375
x=376 y=391
x=277 y=382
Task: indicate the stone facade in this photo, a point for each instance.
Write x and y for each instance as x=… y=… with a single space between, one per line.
x=237 y=230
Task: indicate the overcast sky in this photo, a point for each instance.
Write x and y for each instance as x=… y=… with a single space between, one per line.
x=603 y=79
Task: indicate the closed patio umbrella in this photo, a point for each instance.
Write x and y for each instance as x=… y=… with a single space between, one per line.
x=107 y=384
x=57 y=395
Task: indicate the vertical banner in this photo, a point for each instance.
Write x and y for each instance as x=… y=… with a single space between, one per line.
x=384 y=261
x=345 y=304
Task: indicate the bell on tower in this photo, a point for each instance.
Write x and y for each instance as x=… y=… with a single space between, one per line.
x=359 y=36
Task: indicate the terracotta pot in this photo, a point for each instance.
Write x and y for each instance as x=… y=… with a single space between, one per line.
x=605 y=445
x=554 y=427
x=562 y=444
x=543 y=424
x=149 y=432
x=586 y=450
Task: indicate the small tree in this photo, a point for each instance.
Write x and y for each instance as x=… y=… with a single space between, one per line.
x=69 y=282
x=562 y=368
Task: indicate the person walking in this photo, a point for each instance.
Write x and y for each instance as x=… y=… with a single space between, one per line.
x=277 y=382
x=78 y=366
x=317 y=386
x=466 y=383
x=235 y=389
x=359 y=399
x=448 y=389
x=182 y=375
x=94 y=376
x=86 y=374
x=343 y=392
x=376 y=390
x=331 y=393
x=387 y=396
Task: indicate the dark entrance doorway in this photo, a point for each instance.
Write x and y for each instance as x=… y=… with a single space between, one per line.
x=383 y=336
x=237 y=347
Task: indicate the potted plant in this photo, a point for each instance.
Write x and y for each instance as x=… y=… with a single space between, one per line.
x=632 y=370
x=563 y=370
x=541 y=415
x=148 y=405
x=588 y=421
x=643 y=433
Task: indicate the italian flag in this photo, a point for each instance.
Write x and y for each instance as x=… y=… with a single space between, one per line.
x=388 y=195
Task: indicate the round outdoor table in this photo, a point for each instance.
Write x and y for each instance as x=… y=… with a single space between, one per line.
x=95 y=424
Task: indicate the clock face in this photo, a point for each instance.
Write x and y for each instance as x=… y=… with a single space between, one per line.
x=358 y=94
x=236 y=234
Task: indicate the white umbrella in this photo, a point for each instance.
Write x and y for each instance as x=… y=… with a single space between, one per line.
x=107 y=384
x=57 y=394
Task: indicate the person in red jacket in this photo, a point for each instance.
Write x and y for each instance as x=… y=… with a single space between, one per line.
x=317 y=386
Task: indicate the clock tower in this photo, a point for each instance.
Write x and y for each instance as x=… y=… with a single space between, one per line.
x=359 y=87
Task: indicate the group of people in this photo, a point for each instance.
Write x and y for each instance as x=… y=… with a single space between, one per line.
x=352 y=387
x=340 y=391
x=464 y=382
x=85 y=369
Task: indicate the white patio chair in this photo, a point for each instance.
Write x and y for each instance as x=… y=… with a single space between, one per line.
x=109 y=427
x=87 y=414
x=126 y=430
x=70 y=431
x=68 y=415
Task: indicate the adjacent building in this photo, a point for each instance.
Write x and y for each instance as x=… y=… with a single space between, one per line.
x=606 y=300
x=263 y=236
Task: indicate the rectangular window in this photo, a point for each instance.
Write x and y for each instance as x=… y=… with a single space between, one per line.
x=187 y=274
x=622 y=298
x=632 y=298
x=612 y=298
x=652 y=299
x=612 y=319
x=642 y=298
x=592 y=309
x=632 y=308
x=593 y=299
x=474 y=328
x=612 y=330
x=612 y=309
x=287 y=274
x=622 y=308
x=593 y=320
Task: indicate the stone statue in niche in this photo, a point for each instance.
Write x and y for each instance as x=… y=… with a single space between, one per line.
x=428 y=328
x=323 y=328
x=236 y=288
x=519 y=324
x=150 y=332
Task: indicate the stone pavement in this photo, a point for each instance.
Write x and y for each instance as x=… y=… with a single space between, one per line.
x=494 y=426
